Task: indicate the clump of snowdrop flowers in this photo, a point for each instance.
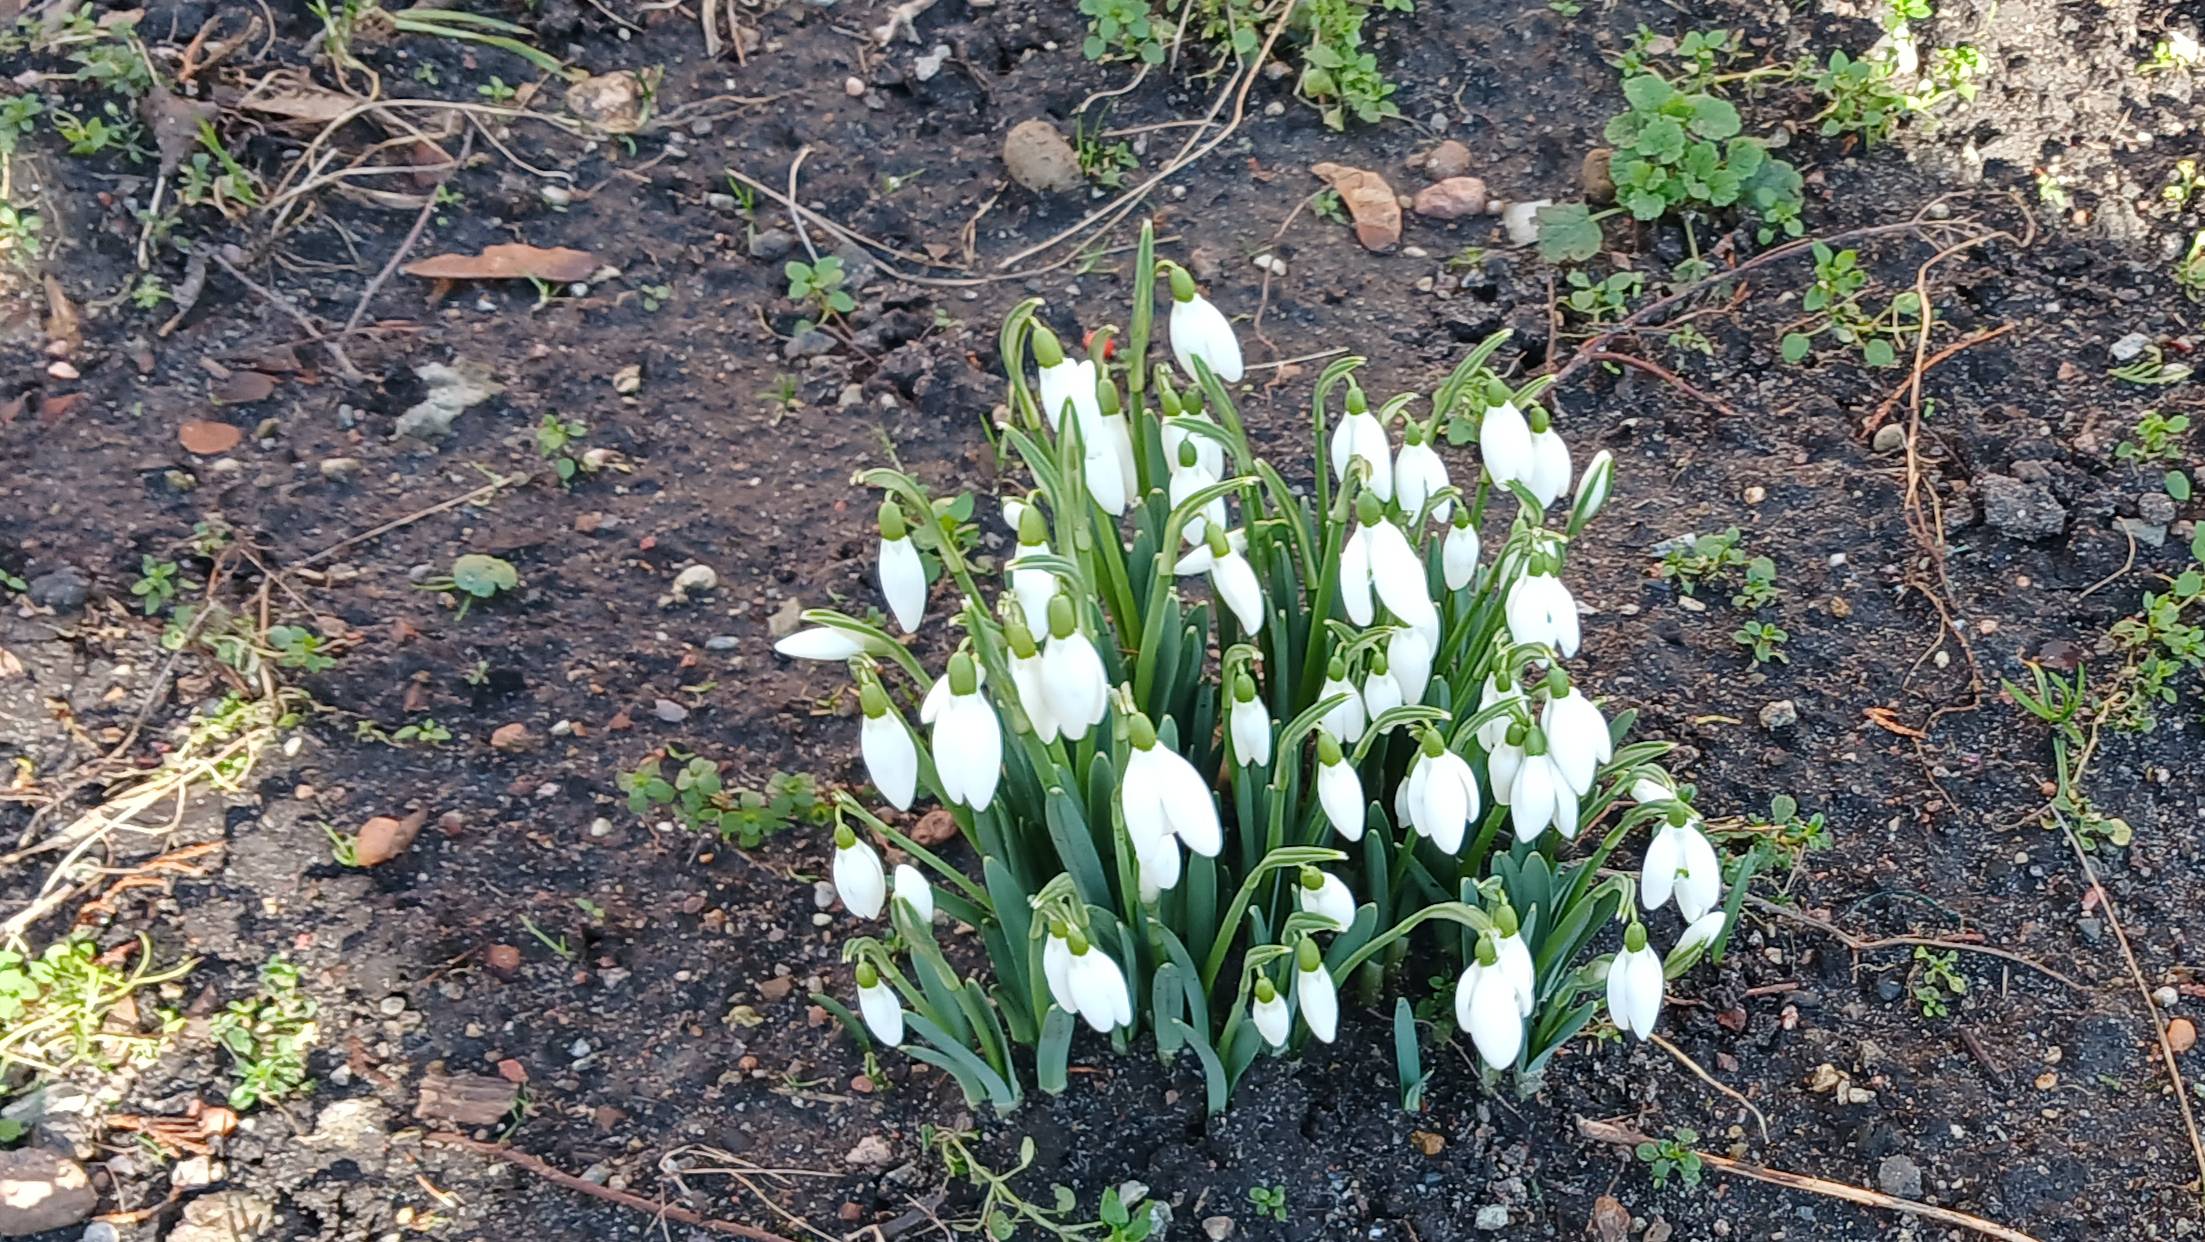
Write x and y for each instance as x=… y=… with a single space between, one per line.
x=1219 y=749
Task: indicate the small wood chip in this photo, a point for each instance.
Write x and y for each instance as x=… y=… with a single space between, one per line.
x=466 y=1099
x=207 y=439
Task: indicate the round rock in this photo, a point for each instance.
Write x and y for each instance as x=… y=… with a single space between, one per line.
x=1039 y=158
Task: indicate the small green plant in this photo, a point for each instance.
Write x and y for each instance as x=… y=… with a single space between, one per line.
x=1952 y=75
x=557 y=944
x=496 y=90
x=655 y=297
x=556 y=439
x=110 y=129
x=1004 y=1214
x=1833 y=304
x=2189 y=273
x=1566 y=8
x=1673 y=1156
x=1123 y=30
x=2161 y=642
x=784 y=396
x=2158 y=439
x=1326 y=206
x=150 y=292
x=18 y=118
x=2173 y=55
x=1269 y=1201
x=1764 y=641
x=1697 y=62
x=1757 y=589
x=2183 y=180
x=818 y=286
x=1103 y=162
x=58 y=1006
x=475 y=576
x=1338 y=75
x=2052 y=190
x=300 y=648
x=20 y=235
x=268 y=1037
x=1776 y=843
x=1697 y=559
x=1603 y=301
x=1937 y=981
x=700 y=800
x=1862 y=98
x=2067 y=705
x=156 y=584
x=2151 y=369
x=344 y=847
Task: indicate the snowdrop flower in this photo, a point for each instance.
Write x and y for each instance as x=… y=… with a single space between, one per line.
x=1201 y=331
x=1250 y=724
x=1655 y=786
x=1339 y=790
x=1072 y=678
x=1550 y=460
x=859 y=880
x=891 y=758
x=1539 y=795
x=902 y=577
x=1486 y=1008
x=1056 y=967
x=1270 y=1015
x=1381 y=693
x=1458 y=553
x=1378 y=557
x=912 y=889
x=1231 y=576
x=1359 y=434
x=1541 y=610
x=1494 y=731
x=1034 y=588
x=1065 y=383
x=1504 y=443
x=1187 y=478
x=1418 y=475
x=1097 y=986
x=1112 y=477
x=1577 y=737
x=1209 y=455
x=1699 y=937
x=1514 y=959
x=1681 y=862
x=1313 y=988
x=879 y=1005
x=1592 y=490
x=1164 y=800
x=1027 y=679
x=1634 y=985
x=1502 y=764
x=1441 y=794
x=1409 y=655
x=1347 y=720
x=966 y=742
x=1326 y=896
x=820 y=642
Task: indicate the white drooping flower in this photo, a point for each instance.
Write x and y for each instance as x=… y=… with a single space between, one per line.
x=966 y=741
x=1680 y=862
x=1378 y=558
x=1495 y=730
x=1504 y=443
x=902 y=576
x=1359 y=434
x=1441 y=795
x=1577 y=737
x=1701 y=934
x=1065 y=383
x=1097 y=988
x=1268 y=1011
x=1231 y=576
x=1458 y=552
x=1072 y=677
x=1501 y=764
x=1056 y=967
x=1188 y=477
x=1514 y=960
x=1033 y=587
x=1315 y=993
x=1486 y=1008
x=891 y=757
x=1635 y=985
x=912 y=889
x=820 y=642
x=1550 y=466
x=1339 y=789
x=1539 y=794
x=1346 y=720
x=879 y=1005
x=858 y=877
x=1592 y=489
x=1409 y=656
x=1419 y=475
x=1541 y=610
x=1165 y=802
x=1381 y=693
x=1653 y=786
x=1026 y=678
x=1327 y=896
x=1200 y=330
x=1250 y=724
x=1209 y=455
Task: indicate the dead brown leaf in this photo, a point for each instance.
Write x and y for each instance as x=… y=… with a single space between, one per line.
x=61 y=316
x=295 y=99
x=240 y=387
x=512 y=261
x=1885 y=718
x=207 y=438
x=1611 y=1221
x=1369 y=200
x=175 y=123
x=935 y=827
x=384 y=838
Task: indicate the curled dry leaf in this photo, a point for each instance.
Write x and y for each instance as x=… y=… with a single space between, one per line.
x=1369 y=200
x=207 y=438
x=384 y=838
x=239 y=387
x=512 y=261
x=293 y=98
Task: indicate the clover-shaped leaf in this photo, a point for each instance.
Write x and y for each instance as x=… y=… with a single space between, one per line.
x=483 y=576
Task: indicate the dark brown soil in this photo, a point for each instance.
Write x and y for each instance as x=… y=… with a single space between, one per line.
x=681 y=1019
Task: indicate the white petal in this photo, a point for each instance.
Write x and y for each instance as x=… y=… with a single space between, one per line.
x=1465 y=988
x=1140 y=801
x=978 y=748
x=1272 y=1020
x=1409 y=657
x=1187 y=803
x=883 y=1013
x=1355 y=578
x=1643 y=970
x=820 y=642
x=1700 y=887
x=1398 y=574
x=891 y=759
x=1056 y=967
x=1346 y=721
x=1160 y=865
x=1367 y=440
x=903 y=582
x=1071 y=383
x=1495 y=731
x=1340 y=793
x=1251 y=728
x=1034 y=589
x=1236 y=584
x=1658 y=877
x=1342 y=448
x=1501 y=767
x=859 y=880
x=1458 y=556
x=1550 y=467
x=1320 y=1002
x=1073 y=681
x=1033 y=696
x=913 y=890
x=1531 y=798
x=1496 y=1024
x=1446 y=807
x=1515 y=963
x=1332 y=901
x=1504 y=441
x=1381 y=694
x=1200 y=330
x=1702 y=932
x=1091 y=979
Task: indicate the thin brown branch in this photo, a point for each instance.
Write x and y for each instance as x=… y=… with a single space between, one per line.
x=558 y=1178
x=1710 y=1079
x=1891 y=402
x=1858 y=945
x=1667 y=376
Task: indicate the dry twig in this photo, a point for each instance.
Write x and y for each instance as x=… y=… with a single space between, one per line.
x=558 y=1178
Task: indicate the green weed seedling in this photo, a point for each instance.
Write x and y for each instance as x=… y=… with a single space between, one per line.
x=1763 y=640
x=1673 y=1156
x=698 y=798
x=1269 y=1201
x=474 y=577
x=1703 y=559
x=1938 y=981
x=1834 y=303
x=818 y=286
x=268 y=1037
x=56 y=1006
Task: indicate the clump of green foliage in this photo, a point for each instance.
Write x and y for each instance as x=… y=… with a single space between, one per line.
x=1703 y=558
x=1005 y=1214
x=57 y=1005
x=1834 y=302
x=698 y=798
x=1338 y=74
x=817 y=286
x=268 y=1036
x=475 y=576
x=1673 y=1156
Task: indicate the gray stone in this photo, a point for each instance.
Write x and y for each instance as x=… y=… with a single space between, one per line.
x=1889 y=438
x=772 y=245
x=1899 y=1175
x=42 y=1190
x=2021 y=510
x=810 y=343
x=340 y=467
x=452 y=390
x=670 y=711
x=1493 y=1217
x=63 y=590
x=226 y=1216
x=1782 y=714
x=2156 y=508
x=2151 y=535
x=722 y=642
x=2126 y=349
x=1448 y=159
x=872 y=1152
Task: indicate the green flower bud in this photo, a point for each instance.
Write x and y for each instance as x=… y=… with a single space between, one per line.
x=1489 y=950
x=1433 y=744
x=1265 y=992
x=844 y=838
x=1518 y=733
x=1312 y=879
x=1378 y=665
x=1337 y=670
x=1557 y=682
x=1106 y=396
x=1182 y=284
x=963 y=677
x=1539 y=419
x=1060 y=616
x=1140 y=732
x=1021 y=640
x=873 y=700
x=1048 y=350
x=892 y=525
x=1166 y=395
x=1076 y=942
x=1306 y=956
x=1369 y=510
x=1193 y=401
x=1497 y=394
x=1413 y=433
x=1678 y=816
x=1219 y=545
x=1535 y=742
x=1033 y=529
x=1187 y=454
x=1504 y=920
x=1328 y=749
x=1357 y=403
x=1244 y=689
x=867 y=977
x=1634 y=936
